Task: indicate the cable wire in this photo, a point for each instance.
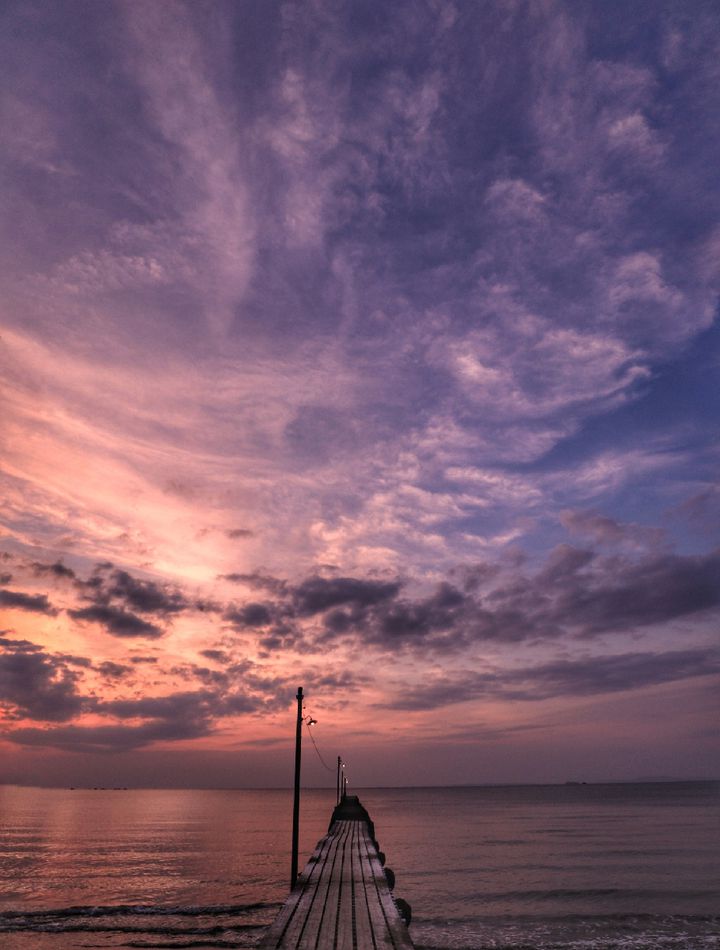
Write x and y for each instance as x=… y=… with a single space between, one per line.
x=312 y=739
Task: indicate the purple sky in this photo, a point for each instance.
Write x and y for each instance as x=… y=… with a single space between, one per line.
x=370 y=347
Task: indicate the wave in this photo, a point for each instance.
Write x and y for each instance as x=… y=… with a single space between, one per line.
x=580 y=894
x=192 y=920
x=168 y=910
x=569 y=932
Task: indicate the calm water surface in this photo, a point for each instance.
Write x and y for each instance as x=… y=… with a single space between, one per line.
x=613 y=867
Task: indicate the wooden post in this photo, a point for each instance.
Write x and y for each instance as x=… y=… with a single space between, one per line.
x=296 y=798
x=337 y=784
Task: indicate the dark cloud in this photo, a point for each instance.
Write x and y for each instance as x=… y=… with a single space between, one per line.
x=35 y=603
x=175 y=717
x=257 y=580
x=108 y=584
x=24 y=646
x=206 y=606
x=474 y=576
x=702 y=510
x=571 y=678
x=218 y=656
x=250 y=615
x=562 y=564
x=109 y=738
x=146 y=596
x=610 y=674
x=619 y=595
x=35 y=684
x=57 y=569
x=576 y=591
x=240 y=533
x=185 y=706
x=406 y=622
x=318 y=594
x=82 y=661
x=604 y=530
x=334 y=680
x=5 y=578
x=143 y=659
x=446 y=621
x=284 y=636
x=118 y=622
x=113 y=670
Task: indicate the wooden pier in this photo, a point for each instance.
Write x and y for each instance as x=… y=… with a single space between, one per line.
x=342 y=899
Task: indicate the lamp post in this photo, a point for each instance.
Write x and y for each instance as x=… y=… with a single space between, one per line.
x=296 y=798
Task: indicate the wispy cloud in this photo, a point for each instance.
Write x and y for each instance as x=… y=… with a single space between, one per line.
x=568 y=678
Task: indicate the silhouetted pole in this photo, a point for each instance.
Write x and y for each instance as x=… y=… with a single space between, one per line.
x=337 y=784
x=296 y=799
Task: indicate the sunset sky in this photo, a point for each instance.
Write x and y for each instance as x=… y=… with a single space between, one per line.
x=370 y=347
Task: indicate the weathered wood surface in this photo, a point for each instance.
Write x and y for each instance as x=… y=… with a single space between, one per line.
x=341 y=900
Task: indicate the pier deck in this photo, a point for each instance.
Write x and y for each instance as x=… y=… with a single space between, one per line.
x=342 y=899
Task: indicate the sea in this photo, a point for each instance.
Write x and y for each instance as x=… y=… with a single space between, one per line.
x=569 y=867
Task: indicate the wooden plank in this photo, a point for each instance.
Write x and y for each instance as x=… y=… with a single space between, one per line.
x=286 y=929
x=305 y=934
x=383 y=938
x=318 y=914
x=396 y=927
x=364 y=939
x=324 y=936
x=345 y=936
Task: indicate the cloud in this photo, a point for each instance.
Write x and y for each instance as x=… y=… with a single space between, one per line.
x=144 y=595
x=113 y=670
x=608 y=674
x=173 y=66
x=250 y=615
x=170 y=718
x=57 y=569
x=575 y=591
x=317 y=594
x=257 y=580
x=108 y=738
x=605 y=530
x=617 y=596
x=37 y=685
x=117 y=621
x=35 y=603
x=109 y=584
x=523 y=367
x=702 y=510
x=562 y=678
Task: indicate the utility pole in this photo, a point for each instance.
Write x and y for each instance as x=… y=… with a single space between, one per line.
x=296 y=799
x=337 y=784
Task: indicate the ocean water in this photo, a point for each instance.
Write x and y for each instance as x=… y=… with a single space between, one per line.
x=586 y=867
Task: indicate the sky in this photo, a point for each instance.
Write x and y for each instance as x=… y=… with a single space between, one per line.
x=366 y=347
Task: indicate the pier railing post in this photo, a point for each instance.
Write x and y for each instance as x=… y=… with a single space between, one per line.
x=296 y=798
